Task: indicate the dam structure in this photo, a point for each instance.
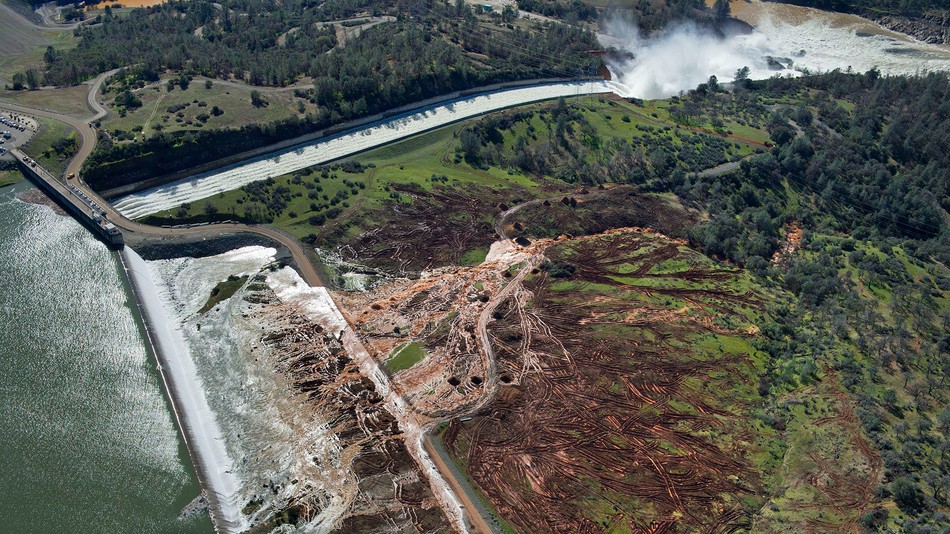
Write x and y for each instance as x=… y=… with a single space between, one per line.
x=84 y=208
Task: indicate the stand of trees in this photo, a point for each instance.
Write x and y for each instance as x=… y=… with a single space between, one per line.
x=882 y=170
x=435 y=50
x=266 y=42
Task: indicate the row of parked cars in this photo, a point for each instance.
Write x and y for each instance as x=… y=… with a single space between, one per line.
x=13 y=124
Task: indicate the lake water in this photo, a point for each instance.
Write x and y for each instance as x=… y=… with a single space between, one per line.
x=88 y=439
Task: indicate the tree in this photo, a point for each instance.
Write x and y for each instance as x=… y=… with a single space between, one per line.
x=50 y=55
x=742 y=74
x=713 y=84
x=32 y=79
x=19 y=81
x=128 y=100
x=721 y=10
x=208 y=84
x=256 y=99
x=907 y=495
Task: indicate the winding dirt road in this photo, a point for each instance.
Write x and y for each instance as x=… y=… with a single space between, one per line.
x=27 y=23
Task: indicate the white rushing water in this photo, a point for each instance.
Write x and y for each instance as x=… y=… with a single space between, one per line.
x=273 y=446
x=801 y=39
x=203 y=433
x=172 y=195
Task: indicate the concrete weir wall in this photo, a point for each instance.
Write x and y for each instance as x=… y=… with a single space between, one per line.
x=202 y=434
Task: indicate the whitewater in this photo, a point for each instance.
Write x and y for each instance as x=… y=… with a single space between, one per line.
x=258 y=447
x=172 y=195
x=199 y=425
x=798 y=41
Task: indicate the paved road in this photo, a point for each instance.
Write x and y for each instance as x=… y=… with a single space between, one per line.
x=88 y=143
x=304 y=266
x=27 y=23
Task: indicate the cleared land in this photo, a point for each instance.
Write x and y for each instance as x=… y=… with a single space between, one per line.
x=65 y=100
x=23 y=46
x=627 y=383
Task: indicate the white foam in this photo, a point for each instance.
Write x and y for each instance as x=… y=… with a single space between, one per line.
x=203 y=434
x=315 y=301
x=172 y=195
x=684 y=56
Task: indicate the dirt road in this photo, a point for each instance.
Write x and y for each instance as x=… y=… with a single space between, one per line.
x=476 y=518
x=27 y=23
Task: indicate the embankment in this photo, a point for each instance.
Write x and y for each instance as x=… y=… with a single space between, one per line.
x=201 y=432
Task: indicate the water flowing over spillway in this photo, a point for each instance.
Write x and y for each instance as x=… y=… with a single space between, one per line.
x=200 y=425
x=172 y=195
x=261 y=446
x=787 y=41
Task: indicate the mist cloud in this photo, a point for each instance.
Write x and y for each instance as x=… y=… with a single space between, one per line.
x=682 y=57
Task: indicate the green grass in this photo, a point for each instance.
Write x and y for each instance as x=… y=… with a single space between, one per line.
x=39 y=147
x=23 y=47
x=223 y=291
x=235 y=102
x=405 y=356
x=10 y=178
x=474 y=257
x=412 y=161
x=428 y=162
x=65 y=100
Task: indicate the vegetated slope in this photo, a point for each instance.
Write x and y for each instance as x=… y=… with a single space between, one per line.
x=442 y=190
x=425 y=52
x=861 y=166
x=848 y=213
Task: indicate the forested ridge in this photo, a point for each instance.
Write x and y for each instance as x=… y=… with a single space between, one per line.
x=265 y=42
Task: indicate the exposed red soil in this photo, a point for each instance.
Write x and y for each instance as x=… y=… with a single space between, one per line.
x=602 y=428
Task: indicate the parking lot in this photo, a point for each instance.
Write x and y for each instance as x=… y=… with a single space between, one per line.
x=15 y=130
